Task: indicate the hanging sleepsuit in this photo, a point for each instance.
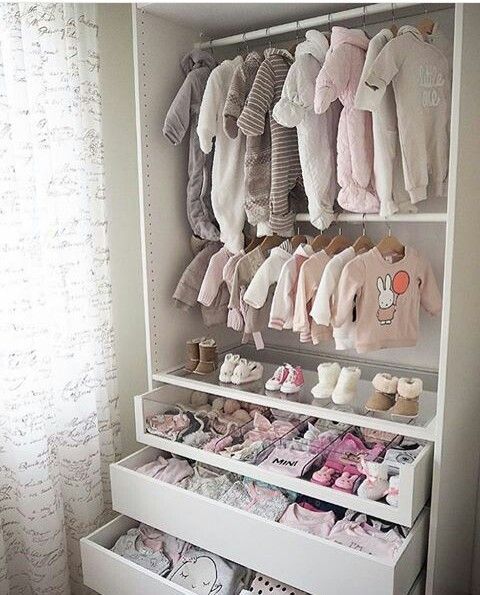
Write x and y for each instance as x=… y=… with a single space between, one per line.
x=228 y=176
x=258 y=148
x=183 y=114
x=317 y=133
x=339 y=78
x=266 y=92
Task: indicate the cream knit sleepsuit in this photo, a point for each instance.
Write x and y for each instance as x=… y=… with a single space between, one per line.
x=265 y=93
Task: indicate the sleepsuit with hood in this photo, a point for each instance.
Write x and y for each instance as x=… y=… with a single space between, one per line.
x=228 y=176
x=182 y=115
x=339 y=78
x=286 y=172
x=420 y=75
x=316 y=132
x=257 y=149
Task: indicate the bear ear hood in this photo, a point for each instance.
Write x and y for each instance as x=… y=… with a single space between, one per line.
x=316 y=44
x=354 y=37
x=197 y=59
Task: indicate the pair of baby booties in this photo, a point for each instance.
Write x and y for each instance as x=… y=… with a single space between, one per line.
x=238 y=370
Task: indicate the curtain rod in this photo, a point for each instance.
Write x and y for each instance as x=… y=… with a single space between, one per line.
x=327 y=19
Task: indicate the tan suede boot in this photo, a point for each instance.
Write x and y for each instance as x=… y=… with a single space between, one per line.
x=408 y=393
x=383 y=397
x=208 y=357
x=192 y=354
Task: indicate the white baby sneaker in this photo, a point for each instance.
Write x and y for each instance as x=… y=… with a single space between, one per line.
x=328 y=374
x=375 y=485
x=347 y=386
x=229 y=364
x=278 y=378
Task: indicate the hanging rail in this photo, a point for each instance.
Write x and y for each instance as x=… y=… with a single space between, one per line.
x=373 y=218
x=327 y=19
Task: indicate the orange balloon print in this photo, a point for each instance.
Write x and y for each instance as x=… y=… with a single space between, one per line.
x=401 y=281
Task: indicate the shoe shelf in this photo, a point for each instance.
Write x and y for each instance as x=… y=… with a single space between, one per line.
x=297 y=558
x=414 y=478
x=303 y=402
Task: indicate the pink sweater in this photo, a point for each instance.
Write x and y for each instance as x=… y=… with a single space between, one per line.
x=389 y=296
x=308 y=281
x=213 y=277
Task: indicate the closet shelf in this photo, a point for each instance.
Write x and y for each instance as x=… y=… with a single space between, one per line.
x=397 y=218
x=421 y=428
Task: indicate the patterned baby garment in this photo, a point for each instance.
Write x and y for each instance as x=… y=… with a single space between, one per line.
x=131 y=547
x=207 y=482
x=263 y=585
x=268 y=503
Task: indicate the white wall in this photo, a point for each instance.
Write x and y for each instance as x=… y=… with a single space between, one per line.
x=116 y=76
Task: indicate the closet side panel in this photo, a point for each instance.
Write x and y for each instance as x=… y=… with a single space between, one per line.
x=454 y=497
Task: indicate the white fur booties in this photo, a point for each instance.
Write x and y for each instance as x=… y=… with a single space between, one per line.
x=328 y=374
x=347 y=386
x=375 y=485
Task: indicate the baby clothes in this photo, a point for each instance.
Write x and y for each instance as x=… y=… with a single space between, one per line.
x=268 y=503
x=283 y=304
x=264 y=585
x=420 y=75
x=234 y=317
x=387 y=159
x=316 y=132
x=131 y=547
x=183 y=114
x=339 y=78
x=173 y=424
x=308 y=519
x=389 y=295
x=258 y=148
x=285 y=169
x=204 y=573
x=213 y=278
x=228 y=176
x=159 y=541
x=207 y=482
x=364 y=538
x=289 y=461
x=346 y=455
x=170 y=470
x=268 y=274
x=323 y=304
x=188 y=288
x=309 y=277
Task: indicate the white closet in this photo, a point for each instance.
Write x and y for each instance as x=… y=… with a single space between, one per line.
x=438 y=498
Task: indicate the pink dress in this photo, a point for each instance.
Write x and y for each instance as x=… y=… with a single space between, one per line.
x=338 y=79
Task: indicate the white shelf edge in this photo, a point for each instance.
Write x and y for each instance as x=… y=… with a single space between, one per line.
x=348 y=417
x=372 y=218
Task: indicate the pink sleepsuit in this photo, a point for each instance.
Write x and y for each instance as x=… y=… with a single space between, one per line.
x=338 y=79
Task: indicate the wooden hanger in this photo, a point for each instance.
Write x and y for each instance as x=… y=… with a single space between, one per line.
x=338 y=244
x=390 y=245
x=363 y=243
x=254 y=243
x=270 y=242
x=320 y=242
x=426 y=25
x=297 y=240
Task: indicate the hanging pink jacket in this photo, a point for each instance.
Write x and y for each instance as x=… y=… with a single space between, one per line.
x=338 y=79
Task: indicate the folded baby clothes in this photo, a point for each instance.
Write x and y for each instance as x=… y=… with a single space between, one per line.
x=207 y=482
x=362 y=537
x=158 y=541
x=268 y=503
x=289 y=461
x=403 y=454
x=205 y=573
x=308 y=519
x=172 y=470
x=131 y=547
x=174 y=424
x=263 y=585
x=347 y=453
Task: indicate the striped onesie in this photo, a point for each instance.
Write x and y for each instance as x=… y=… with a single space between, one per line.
x=286 y=172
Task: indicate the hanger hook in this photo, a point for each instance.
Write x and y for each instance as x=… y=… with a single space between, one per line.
x=364 y=16
x=297 y=33
x=389 y=227
x=393 y=12
x=364 y=227
x=329 y=22
x=267 y=35
x=245 y=41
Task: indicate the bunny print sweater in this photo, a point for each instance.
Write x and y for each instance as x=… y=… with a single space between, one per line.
x=388 y=298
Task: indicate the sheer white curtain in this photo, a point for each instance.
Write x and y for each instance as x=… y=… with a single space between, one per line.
x=58 y=410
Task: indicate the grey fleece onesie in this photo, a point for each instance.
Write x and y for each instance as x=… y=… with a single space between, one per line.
x=183 y=114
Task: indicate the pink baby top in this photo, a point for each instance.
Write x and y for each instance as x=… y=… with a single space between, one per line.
x=346 y=455
x=308 y=519
x=388 y=296
x=365 y=538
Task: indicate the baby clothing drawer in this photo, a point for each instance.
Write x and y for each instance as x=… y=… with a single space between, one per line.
x=305 y=561
x=108 y=573
x=414 y=477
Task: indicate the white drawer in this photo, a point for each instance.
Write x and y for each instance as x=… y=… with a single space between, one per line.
x=415 y=478
x=108 y=573
x=307 y=562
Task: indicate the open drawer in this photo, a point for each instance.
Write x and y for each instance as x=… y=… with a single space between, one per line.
x=414 y=477
x=302 y=560
x=108 y=573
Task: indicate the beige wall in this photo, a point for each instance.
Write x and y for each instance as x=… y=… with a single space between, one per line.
x=117 y=80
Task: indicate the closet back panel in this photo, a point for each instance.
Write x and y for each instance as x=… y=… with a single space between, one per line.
x=166 y=233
